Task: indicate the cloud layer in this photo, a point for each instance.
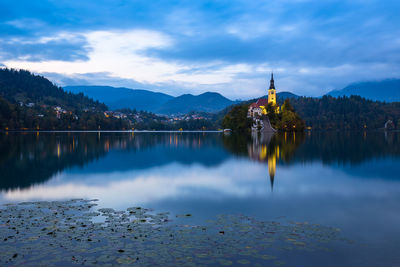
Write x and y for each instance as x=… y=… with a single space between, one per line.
x=225 y=46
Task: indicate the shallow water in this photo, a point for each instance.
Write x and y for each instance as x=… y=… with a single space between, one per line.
x=346 y=181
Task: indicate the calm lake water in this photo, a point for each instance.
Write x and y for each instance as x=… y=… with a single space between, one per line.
x=348 y=180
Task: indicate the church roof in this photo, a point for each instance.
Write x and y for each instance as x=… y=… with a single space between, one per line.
x=254 y=105
x=262 y=102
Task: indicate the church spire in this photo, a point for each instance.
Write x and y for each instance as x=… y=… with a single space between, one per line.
x=272 y=178
x=272 y=85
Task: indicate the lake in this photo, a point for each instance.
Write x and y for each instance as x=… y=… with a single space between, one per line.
x=348 y=181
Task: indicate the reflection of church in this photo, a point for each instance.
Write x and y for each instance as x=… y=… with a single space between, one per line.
x=261 y=151
x=273 y=148
x=266 y=147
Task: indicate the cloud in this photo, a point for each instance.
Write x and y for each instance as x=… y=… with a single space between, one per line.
x=225 y=46
x=26 y=23
x=122 y=55
x=43 y=49
x=107 y=51
x=158 y=184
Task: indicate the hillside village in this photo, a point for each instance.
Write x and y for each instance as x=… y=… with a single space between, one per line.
x=132 y=117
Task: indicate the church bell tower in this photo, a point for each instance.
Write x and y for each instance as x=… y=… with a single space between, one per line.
x=272 y=92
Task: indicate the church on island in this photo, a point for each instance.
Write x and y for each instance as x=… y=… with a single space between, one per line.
x=258 y=110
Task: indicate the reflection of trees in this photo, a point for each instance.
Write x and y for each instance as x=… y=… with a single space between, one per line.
x=156 y=149
x=237 y=143
x=174 y=139
x=31 y=158
x=348 y=147
x=328 y=147
x=334 y=148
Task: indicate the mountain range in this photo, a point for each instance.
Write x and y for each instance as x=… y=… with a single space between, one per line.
x=117 y=98
x=386 y=90
x=160 y=103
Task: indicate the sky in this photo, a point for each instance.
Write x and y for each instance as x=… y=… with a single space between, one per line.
x=225 y=46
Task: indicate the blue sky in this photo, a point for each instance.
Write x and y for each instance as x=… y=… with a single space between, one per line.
x=225 y=46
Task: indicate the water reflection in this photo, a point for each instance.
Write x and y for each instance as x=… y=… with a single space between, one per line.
x=349 y=151
x=33 y=158
x=347 y=180
x=266 y=148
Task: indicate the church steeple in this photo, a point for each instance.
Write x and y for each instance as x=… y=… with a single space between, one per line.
x=272 y=85
x=272 y=91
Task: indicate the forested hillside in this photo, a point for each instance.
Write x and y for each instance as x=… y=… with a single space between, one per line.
x=331 y=113
x=22 y=86
x=352 y=113
x=28 y=102
x=206 y=102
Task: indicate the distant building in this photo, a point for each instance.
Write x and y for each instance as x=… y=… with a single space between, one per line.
x=259 y=108
x=115 y=114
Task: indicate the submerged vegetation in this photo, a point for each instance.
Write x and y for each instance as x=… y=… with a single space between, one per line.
x=74 y=232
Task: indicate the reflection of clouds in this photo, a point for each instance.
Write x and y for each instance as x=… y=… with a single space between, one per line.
x=234 y=178
x=319 y=180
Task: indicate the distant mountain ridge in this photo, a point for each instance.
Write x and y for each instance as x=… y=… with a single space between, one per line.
x=281 y=96
x=121 y=97
x=206 y=102
x=285 y=95
x=386 y=90
x=160 y=103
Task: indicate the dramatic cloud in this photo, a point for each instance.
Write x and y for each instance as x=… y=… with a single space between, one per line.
x=225 y=46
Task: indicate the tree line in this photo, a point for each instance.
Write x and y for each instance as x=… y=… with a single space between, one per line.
x=346 y=113
x=27 y=101
x=285 y=119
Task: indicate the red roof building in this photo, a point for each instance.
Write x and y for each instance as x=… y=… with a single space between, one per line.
x=262 y=102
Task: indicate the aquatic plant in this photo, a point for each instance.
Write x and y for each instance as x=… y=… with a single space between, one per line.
x=75 y=232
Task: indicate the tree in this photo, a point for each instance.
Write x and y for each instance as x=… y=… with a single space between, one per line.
x=237 y=120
